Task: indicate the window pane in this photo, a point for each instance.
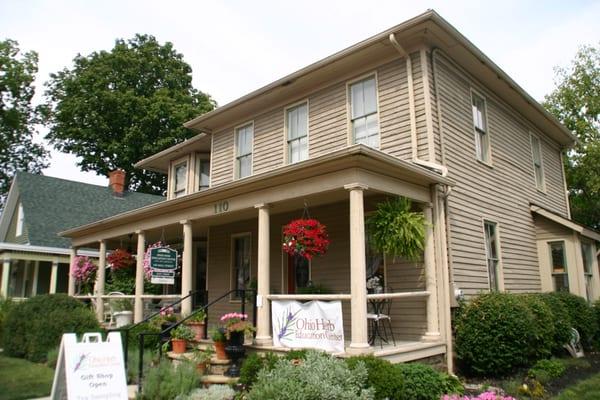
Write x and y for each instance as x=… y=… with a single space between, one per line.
x=492 y=248
x=360 y=130
x=587 y=252
x=244 y=140
x=370 y=96
x=242 y=261
x=357 y=100
x=180 y=177
x=244 y=165
x=479 y=113
x=204 y=174
x=493 y=274
x=559 y=264
x=297 y=122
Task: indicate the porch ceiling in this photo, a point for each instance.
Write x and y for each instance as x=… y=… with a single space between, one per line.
x=319 y=180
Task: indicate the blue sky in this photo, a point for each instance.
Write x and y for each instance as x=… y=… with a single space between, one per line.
x=235 y=47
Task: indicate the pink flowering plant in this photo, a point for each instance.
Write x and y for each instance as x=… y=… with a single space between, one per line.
x=83 y=270
x=483 y=396
x=236 y=322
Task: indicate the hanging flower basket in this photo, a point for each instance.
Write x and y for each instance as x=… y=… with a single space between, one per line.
x=147 y=269
x=83 y=270
x=305 y=237
x=120 y=259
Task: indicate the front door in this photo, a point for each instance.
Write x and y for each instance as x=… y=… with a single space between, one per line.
x=298 y=273
x=200 y=299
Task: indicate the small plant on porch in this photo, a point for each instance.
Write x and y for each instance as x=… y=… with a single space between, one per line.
x=236 y=322
x=180 y=336
x=305 y=237
x=83 y=270
x=196 y=323
x=395 y=230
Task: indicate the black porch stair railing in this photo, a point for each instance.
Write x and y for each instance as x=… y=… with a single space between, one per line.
x=242 y=293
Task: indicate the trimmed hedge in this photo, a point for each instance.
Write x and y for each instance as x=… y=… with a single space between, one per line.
x=382 y=376
x=35 y=326
x=581 y=315
x=562 y=321
x=422 y=382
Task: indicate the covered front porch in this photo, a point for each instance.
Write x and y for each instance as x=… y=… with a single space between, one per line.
x=231 y=235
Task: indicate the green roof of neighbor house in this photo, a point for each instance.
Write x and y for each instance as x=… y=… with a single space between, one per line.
x=51 y=205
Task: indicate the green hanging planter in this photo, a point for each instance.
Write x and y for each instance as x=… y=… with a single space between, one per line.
x=396 y=231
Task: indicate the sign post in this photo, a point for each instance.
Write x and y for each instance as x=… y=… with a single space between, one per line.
x=163 y=262
x=316 y=325
x=90 y=369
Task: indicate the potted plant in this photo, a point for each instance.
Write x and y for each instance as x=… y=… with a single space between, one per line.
x=305 y=237
x=120 y=259
x=202 y=359
x=236 y=326
x=122 y=310
x=163 y=322
x=196 y=322
x=219 y=339
x=395 y=230
x=179 y=338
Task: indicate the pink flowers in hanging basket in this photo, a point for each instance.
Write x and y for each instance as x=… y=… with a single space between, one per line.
x=305 y=237
x=83 y=270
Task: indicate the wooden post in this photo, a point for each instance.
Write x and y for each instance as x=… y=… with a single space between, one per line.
x=138 y=313
x=263 y=318
x=186 y=269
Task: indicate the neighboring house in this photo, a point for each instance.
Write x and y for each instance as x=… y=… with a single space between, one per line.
x=416 y=111
x=35 y=259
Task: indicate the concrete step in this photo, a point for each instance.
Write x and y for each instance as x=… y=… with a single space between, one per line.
x=208 y=380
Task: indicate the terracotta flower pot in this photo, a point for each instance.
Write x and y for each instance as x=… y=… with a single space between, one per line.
x=220 y=350
x=198 y=329
x=179 y=345
x=202 y=368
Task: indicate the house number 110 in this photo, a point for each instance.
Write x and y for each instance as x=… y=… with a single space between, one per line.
x=221 y=207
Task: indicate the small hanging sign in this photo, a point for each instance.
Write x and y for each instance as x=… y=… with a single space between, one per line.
x=163 y=263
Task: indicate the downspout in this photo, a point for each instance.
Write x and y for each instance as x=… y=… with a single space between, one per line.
x=411 y=93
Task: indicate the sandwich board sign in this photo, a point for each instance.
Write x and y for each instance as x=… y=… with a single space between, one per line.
x=163 y=263
x=90 y=369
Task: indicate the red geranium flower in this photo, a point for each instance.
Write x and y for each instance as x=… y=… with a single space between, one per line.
x=305 y=237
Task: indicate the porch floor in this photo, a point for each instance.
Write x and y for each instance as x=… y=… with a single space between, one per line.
x=403 y=351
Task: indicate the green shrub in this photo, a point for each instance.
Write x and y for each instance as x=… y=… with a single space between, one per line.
x=562 y=321
x=5 y=306
x=546 y=370
x=166 y=382
x=254 y=363
x=493 y=333
x=543 y=327
x=133 y=365
x=151 y=342
x=422 y=382
x=596 y=310
x=385 y=379
x=52 y=357
x=36 y=325
x=582 y=316
x=213 y=392
x=319 y=376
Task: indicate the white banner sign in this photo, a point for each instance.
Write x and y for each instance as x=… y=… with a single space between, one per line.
x=91 y=369
x=316 y=325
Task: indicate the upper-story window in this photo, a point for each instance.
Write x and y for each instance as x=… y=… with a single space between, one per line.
x=243 y=150
x=364 y=120
x=492 y=251
x=297 y=133
x=538 y=168
x=203 y=172
x=20 y=221
x=180 y=179
x=482 y=136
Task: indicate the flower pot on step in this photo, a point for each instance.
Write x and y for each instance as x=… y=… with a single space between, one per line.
x=202 y=368
x=198 y=329
x=220 y=350
x=179 y=345
x=123 y=318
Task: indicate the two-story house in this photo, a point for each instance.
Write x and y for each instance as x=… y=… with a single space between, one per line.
x=415 y=111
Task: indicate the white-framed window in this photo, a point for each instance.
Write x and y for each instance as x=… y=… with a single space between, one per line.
x=587 y=253
x=538 y=167
x=203 y=171
x=363 y=112
x=244 y=137
x=480 y=125
x=296 y=124
x=180 y=171
x=20 y=220
x=492 y=253
x=558 y=258
x=241 y=262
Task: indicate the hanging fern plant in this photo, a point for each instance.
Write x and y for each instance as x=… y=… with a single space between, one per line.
x=397 y=231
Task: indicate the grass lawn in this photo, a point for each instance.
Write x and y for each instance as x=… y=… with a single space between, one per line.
x=22 y=379
x=587 y=389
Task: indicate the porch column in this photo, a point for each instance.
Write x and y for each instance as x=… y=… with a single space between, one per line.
x=358 y=270
x=433 y=325
x=186 y=269
x=71 y=290
x=53 y=277
x=263 y=315
x=138 y=313
x=100 y=279
x=36 y=275
x=5 y=278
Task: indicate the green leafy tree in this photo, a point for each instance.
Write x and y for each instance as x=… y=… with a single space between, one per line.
x=114 y=108
x=576 y=103
x=17 y=115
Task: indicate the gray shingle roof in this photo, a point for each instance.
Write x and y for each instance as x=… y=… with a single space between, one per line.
x=52 y=205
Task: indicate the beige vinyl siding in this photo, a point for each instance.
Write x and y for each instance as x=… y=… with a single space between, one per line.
x=268 y=141
x=331 y=270
x=327 y=121
x=394 y=110
x=222 y=158
x=499 y=193
x=550 y=230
